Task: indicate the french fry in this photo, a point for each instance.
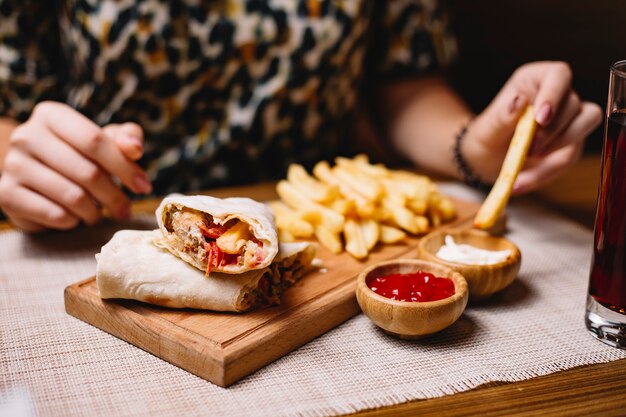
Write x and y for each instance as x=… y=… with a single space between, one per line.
x=381 y=214
x=309 y=214
x=323 y=172
x=290 y=221
x=355 y=204
x=359 y=182
x=295 y=230
x=355 y=243
x=422 y=224
x=435 y=218
x=342 y=206
x=364 y=207
x=362 y=163
x=515 y=157
x=330 y=240
x=314 y=189
x=297 y=200
x=285 y=236
x=433 y=212
x=402 y=217
x=411 y=185
x=371 y=233
x=389 y=234
x=446 y=209
x=395 y=196
x=418 y=206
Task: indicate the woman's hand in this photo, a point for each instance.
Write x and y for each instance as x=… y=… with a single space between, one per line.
x=60 y=168
x=564 y=121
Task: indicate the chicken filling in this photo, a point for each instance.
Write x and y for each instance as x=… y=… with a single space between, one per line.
x=213 y=245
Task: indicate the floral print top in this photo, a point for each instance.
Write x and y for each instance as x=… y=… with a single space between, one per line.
x=227 y=91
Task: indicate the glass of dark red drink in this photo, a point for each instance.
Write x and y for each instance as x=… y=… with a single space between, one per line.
x=606 y=302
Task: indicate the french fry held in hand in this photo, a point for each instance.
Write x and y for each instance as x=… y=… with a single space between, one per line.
x=514 y=160
x=354 y=205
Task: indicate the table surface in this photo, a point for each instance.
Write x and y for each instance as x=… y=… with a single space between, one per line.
x=590 y=390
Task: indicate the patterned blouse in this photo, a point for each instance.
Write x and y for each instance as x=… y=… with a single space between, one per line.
x=227 y=91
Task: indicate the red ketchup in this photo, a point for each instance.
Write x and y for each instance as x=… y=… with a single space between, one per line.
x=418 y=286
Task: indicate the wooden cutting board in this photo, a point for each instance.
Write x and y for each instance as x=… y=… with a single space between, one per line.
x=225 y=347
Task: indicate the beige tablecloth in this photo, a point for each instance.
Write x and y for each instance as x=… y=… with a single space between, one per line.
x=69 y=368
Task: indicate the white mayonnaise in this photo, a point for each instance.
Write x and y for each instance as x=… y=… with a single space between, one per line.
x=468 y=254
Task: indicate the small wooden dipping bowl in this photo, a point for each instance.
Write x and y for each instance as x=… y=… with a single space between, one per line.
x=410 y=319
x=483 y=280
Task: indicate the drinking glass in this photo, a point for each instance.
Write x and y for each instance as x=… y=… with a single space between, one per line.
x=606 y=300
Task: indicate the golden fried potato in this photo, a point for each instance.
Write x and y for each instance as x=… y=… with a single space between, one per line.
x=514 y=160
x=356 y=204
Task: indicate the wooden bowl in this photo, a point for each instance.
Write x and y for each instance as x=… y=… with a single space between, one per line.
x=483 y=280
x=408 y=319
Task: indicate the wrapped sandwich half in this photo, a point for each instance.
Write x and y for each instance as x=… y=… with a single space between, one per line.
x=154 y=276
x=231 y=235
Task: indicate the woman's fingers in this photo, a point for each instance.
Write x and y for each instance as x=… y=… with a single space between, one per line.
x=49 y=183
x=128 y=137
x=586 y=121
x=21 y=203
x=86 y=137
x=26 y=225
x=554 y=87
x=568 y=111
x=561 y=153
x=67 y=161
x=564 y=123
x=540 y=171
x=60 y=167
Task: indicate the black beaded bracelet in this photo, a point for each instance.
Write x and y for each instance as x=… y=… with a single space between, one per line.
x=469 y=177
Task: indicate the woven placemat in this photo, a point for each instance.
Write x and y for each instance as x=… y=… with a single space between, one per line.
x=68 y=368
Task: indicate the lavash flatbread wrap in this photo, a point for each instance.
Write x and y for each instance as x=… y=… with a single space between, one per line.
x=130 y=266
x=293 y=261
x=230 y=235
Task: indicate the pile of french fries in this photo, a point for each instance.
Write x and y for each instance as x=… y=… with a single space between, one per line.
x=356 y=204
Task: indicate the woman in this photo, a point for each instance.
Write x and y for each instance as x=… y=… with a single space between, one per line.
x=161 y=96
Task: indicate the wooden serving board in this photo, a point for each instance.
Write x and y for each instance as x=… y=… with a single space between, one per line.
x=225 y=347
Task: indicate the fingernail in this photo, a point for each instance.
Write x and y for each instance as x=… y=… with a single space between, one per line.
x=513 y=104
x=544 y=114
x=142 y=183
x=517 y=188
x=134 y=141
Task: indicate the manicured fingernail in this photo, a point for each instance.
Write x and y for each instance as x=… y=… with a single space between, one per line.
x=134 y=141
x=513 y=104
x=142 y=183
x=544 y=114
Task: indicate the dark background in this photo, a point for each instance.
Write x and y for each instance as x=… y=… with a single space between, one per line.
x=497 y=36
